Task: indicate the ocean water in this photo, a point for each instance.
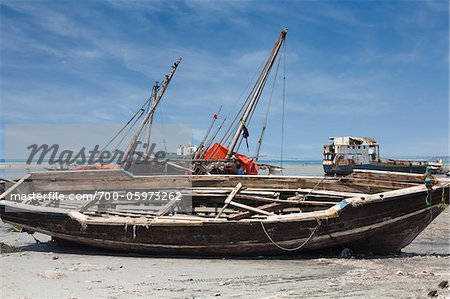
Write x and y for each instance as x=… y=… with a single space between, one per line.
x=17 y=169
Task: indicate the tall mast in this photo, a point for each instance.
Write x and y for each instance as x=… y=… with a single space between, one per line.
x=259 y=86
x=153 y=104
x=131 y=147
x=202 y=144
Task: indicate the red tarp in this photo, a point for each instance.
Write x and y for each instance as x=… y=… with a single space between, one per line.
x=218 y=151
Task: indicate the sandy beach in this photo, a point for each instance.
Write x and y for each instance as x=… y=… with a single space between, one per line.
x=48 y=271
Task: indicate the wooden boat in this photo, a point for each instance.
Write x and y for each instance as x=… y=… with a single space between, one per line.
x=229 y=215
x=211 y=156
x=347 y=153
x=221 y=154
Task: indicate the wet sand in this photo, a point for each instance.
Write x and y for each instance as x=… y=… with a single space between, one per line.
x=47 y=270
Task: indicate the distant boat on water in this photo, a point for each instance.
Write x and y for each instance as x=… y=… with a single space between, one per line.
x=183 y=152
x=347 y=153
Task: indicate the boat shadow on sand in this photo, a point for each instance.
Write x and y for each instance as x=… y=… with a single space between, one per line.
x=58 y=246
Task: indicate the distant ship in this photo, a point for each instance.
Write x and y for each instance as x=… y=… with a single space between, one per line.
x=183 y=152
x=347 y=153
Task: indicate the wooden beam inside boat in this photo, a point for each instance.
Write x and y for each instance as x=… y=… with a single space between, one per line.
x=229 y=198
x=387 y=176
x=15 y=186
x=246 y=214
x=167 y=208
x=249 y=208
x=89 y=204
x=327 y=192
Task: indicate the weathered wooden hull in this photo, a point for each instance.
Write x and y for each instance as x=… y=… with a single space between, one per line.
x=379 y=227
x=347 y=168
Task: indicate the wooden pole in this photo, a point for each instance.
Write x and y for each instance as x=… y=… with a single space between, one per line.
x=257 y=91
x=229 y=198
x=202 y=144
x=131 y=147
x=154 y=104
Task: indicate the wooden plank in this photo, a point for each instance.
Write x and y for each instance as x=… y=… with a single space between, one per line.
x=225 y=190
x=89 y=204
x=119 y=180
x=140 y=212
x=388 y=176
x=249 y=193
x=166 y=207
x=321 y=197
x=377 y=183
x=246 y=207
x=112 y=212
x=15 y=186
x=302 y=201
x=271 y=183
x=229 y=198
x=213 y=210
x=384 y=196
x=265 y=199
x=329 y=192
x=317 y=203
x=246 y=214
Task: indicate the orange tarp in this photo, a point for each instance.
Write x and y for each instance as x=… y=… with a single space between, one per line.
x=218 y=151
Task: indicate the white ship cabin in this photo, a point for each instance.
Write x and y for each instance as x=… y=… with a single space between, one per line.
x=357 y=150
x=186 y=150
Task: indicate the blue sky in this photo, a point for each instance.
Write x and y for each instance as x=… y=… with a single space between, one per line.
x=373 y=68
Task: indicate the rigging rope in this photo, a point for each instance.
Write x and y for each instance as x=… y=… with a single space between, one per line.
x=284 y=100
x=318 y=183
x=268 y=110
x=253 y=99
x=131 y=127
x=163 y=126
x=154 y=95
x=257 y=99
x=319 y=223
x=141 y=111
x=233 y=124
